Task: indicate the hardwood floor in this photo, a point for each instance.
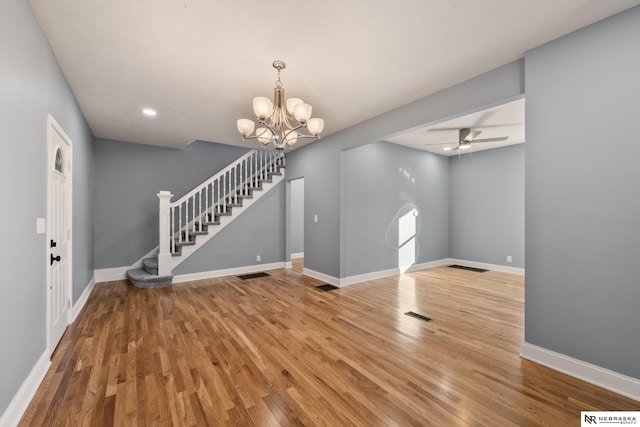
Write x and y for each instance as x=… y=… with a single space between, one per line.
x=275 y=351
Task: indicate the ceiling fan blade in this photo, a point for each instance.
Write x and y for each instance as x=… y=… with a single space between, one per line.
x=501 y=138
x=472 y=135
x=441 y=143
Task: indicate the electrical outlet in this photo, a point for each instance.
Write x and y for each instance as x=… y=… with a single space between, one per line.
x=509 y=258
x=258 y=258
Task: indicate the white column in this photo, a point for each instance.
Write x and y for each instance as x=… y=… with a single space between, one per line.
x=164 y=254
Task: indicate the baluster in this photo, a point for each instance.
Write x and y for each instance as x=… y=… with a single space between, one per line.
x=206 y=202
x=200 y=210
x=235 y=181
x=172 y=238
x=224 y=190
x=186 y=220
x=180 y=223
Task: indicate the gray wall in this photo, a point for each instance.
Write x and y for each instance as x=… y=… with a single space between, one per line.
x=320 y=162
x=582 y=187
x=32 y=85
x=128 y=179
x=487 y=206
x=260 y=230
x=384 y=182
x=296 y=215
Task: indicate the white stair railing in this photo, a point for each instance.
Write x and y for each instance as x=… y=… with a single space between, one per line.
x=182 y=220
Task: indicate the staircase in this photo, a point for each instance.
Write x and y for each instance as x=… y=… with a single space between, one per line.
x=191 y=221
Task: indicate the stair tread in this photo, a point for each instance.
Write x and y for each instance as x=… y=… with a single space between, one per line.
x=140 y=278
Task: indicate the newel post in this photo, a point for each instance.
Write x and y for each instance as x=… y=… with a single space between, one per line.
x=164 y=253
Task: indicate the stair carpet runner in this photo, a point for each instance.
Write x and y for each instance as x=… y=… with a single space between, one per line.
x=147 y=276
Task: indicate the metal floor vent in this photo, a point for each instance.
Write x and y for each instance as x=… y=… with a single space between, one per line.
x=464 y=267
x=326 y=287
x=418 y=316
x=253 y=275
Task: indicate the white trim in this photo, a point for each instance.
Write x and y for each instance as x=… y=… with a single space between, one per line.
x=288 y=264
x=350 y=280
x=487 y=266
x=179 y=278
x=120 y=273
x=610 y=380
x=321 y=276
x=14 y=412
x=297 y=255
x=109 y=274
x=79 y=305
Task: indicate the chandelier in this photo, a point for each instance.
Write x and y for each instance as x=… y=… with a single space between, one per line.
x=282 y=123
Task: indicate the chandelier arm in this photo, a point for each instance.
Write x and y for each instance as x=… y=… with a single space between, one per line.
x=269 y=127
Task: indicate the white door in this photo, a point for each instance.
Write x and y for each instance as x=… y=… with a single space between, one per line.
x=58 y=232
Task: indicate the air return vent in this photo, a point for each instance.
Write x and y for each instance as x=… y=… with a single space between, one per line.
x=418 y=316
x=464 y=267
x=253 y=275
x=326 y=287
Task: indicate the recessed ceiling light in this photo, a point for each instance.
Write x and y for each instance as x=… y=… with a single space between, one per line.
x=447 y=148
x=149 y=112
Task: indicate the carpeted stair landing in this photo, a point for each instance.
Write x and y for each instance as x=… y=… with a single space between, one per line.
x=147 y=276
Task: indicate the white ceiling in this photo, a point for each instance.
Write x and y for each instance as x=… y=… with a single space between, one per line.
x=200 y=62
x=506 y=120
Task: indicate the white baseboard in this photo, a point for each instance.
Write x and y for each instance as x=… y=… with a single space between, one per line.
x=288 y=264
x=109 y=274
x=358 y=278
x=179 y=278
x=486 y=266
x=429 y=264
x=610 y=380
x=321 y=276
x=120 y=273
x=297 y=255
x=350 y=280
x=12 y=415
x=79 y=305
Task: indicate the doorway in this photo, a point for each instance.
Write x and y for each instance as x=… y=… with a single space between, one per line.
x=296 y=224
x=59 y=204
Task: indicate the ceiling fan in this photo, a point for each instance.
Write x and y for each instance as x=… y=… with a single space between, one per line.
x=466 y=137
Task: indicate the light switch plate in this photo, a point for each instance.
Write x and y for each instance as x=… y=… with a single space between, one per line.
x=41 y=226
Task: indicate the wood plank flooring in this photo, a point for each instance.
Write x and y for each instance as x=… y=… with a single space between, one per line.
x=275 y=351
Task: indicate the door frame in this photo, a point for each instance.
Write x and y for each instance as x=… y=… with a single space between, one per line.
x=54 y=127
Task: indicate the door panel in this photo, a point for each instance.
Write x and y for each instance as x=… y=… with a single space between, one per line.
x=58 y=234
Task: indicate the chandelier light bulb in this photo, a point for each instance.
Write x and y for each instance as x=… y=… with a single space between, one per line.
x=291 y=103
x=264 y=135
x=291 y=137
x=302 y=112
x=262 y=107
x=245 y=126
x=315 y=126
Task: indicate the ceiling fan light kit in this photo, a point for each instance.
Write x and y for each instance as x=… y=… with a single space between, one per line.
x=282 y=122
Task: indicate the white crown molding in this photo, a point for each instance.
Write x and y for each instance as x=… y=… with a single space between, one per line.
x=605 y=378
